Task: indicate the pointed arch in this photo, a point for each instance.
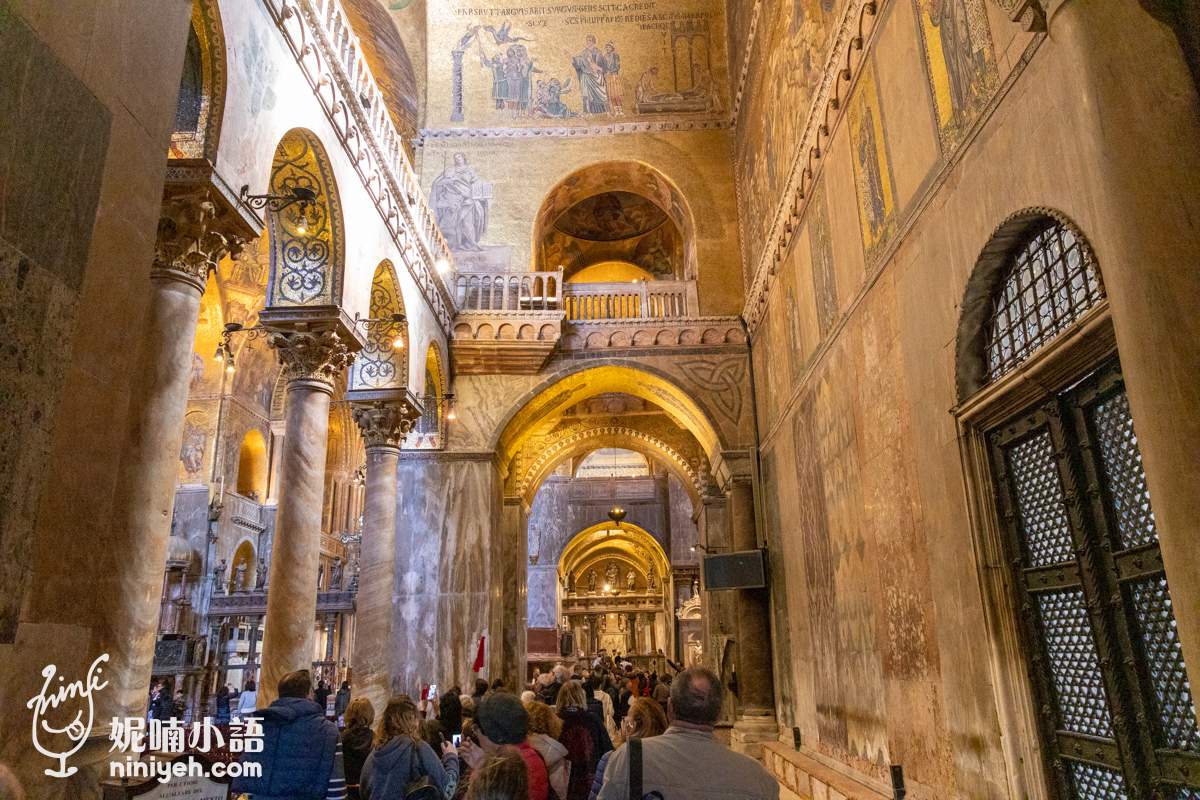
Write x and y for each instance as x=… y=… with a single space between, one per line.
x=307 y=240
x=383 y=361
x=200 y=108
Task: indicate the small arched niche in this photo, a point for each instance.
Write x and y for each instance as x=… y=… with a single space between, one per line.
x=307 y=237
x=200 y=106
x=383 y=361
x=252 y=466
x=239 y=579
x=430 y=430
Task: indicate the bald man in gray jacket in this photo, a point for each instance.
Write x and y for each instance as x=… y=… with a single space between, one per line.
x=687 y=762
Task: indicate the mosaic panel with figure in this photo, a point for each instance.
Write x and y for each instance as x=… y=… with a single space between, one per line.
x=960 y=61
x=512 y=65
x=872 y=169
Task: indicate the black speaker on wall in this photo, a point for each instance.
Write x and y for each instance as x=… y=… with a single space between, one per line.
x=742 y=570
x=567 y=643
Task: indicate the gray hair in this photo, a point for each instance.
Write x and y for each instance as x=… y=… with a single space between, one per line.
x=696 y=696
x=561 y=673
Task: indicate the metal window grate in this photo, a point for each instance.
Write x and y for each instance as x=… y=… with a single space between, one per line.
x=1051 y=284
x=1123 y=465
x=1097 y=783
x=1164 y=656
x=1074 y=664
x=1040 y=500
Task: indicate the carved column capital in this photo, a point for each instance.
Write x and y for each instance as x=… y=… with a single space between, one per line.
x=191 y=240
x=318 y=357
x=385 y=416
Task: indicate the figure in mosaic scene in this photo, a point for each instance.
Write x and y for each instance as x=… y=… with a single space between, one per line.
x=590 y=72
x=195 y=443
x=555 y=107
x=495 y=65
x=612 y=79
x=645 y=92
x=461 y=202
x=518 y=70
x=963 y=48
x=870 y=176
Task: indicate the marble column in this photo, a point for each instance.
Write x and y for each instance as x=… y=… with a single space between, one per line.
x=190 y=243
x=312 y=360
x=385 y=417
x=509 y=658
x=252 y=653
x=756 y=691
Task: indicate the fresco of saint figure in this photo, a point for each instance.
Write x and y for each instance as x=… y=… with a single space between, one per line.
x=961 y=63
x=870 y=179
x=461 y=202
x=612 y=79
x=195 y=443
x=590 y=70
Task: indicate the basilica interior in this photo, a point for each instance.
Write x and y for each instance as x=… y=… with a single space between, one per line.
x=845 y=347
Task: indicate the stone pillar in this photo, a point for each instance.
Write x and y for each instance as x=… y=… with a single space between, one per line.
x=1136 y=123
x=252 y=653
x=187 y=247
x=510 y=575
x=312 y=360
x=278 y=431
x=385 y=417
x=756 y=691
x=330 y=627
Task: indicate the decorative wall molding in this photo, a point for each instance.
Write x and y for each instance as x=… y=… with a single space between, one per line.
x=359 y=115
x=741 y=82
x=569 y=131
x=643 y=333
x=823 y=115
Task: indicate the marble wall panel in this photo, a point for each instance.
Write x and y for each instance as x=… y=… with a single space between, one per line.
x=543 y=594
x=683 y=529
x=781 y=640
x=446 y=525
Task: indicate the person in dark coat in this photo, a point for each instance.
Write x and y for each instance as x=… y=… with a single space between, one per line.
x=161 y=705
x=357 y=741
x=584 y=736
x=301 y=757
x=401 y=756
x=321 y=695
x=342 y=699
x=450 y=712
x=223 y=699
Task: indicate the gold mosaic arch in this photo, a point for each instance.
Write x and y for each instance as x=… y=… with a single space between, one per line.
x=205 y=139
x=560 y=395
x=636 y=177
x=585 y=441
x=306 y=263
x=430 y=430
x=380 y=364
x=637 y=545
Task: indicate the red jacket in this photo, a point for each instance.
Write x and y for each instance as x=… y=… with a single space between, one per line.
x=539 y=782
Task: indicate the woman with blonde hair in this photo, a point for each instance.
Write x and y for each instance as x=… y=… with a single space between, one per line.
x=356 y=742
x=583 y=735
x=503 y=776
x=645 y=719
x=401 y=758
x=544 y=728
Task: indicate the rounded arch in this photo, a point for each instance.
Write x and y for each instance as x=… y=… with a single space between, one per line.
x=536 y=472
x=252 y=465
x=383 y=361
x=244 y=554
x=307 y=238
x=430 y=430
x=200 y=108
x=992 y=269
x=605 y=541
x=566 y=389
x=635 y=177
x=388 y=59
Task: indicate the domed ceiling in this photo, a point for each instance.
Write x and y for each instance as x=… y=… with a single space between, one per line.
x=610 y=216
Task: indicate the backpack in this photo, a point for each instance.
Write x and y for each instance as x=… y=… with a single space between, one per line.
x=421 y=787
x=635 y=773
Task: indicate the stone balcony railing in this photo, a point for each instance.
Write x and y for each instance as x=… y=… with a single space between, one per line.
x=507 y=322
x=331 y=57
x=636 y=300
x=509 y=291
x=252 y=604
x=580 y=602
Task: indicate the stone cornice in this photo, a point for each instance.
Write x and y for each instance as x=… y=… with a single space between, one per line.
x=568 y=131
x=741 y=83
x=845 y=56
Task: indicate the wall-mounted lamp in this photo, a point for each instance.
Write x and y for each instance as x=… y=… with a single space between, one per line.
x=449 y=398
x=394 y=322
x=443 y=265
x=278 y=202
x=224 y=352
x=707 y=550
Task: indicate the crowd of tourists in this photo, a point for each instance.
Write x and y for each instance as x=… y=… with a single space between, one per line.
x=604 y=733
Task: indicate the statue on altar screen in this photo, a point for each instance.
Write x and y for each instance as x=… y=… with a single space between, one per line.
x=570 y=583
x=261 y=580
x=695 y=586
x=239 y=576
x=651 y=583
x=592 y=582
x=335 y=574
x=219 y=574
x=612 y=573
x=630 y=578
x=320 y=575
x=621 y=623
